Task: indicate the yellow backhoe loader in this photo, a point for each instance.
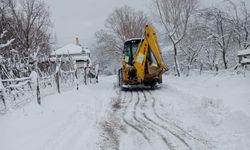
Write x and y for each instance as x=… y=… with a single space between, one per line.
x=142 y=63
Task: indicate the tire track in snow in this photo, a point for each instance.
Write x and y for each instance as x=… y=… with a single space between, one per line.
x=151 y=127
x=110 y=136
x=173 y=127
x=160 y=124
x=138 y=129
x=142 y=122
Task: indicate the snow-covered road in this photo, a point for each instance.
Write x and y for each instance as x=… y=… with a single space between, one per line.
x=197 y=112
x=142 y=127
x=64 y=121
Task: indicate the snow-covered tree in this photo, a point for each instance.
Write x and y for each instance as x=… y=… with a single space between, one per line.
x=30 y=24
x=191 y=46
x=124 y=23
x=3 y=45
x=25 y=33
x=240 y=21
x=220 y=31
x=174 y=16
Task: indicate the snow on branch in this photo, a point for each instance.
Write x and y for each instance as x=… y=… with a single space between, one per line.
x=244 y=52
x=248 y=45
x=3 y=34
x=6 y=44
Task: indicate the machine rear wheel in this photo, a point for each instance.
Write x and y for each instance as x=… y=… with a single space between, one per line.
x=120 y=78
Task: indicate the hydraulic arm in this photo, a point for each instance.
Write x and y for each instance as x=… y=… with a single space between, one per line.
x=142 y=63
x=148 y=47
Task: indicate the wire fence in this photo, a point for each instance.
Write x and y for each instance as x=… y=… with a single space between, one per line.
x=17 y=93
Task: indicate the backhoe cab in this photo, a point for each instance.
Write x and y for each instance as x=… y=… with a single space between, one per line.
x=142 y=62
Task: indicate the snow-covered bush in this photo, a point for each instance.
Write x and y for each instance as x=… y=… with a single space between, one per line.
x=213 y=36
x=24 y=35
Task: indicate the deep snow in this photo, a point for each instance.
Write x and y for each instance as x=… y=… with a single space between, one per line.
x=213 y=109
x=217 y=106
x=65 y=121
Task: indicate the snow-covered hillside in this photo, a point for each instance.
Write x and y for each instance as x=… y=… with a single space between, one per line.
x=197 y=112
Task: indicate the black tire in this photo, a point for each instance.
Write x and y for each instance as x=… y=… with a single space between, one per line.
x=120 y=78
x=153 y=85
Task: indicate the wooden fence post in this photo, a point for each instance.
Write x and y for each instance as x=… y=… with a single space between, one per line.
x=38 y=93
x=2 y=98
x=217 y=69
x=77 y=84
x=244 y=70
x=2 y=91
x=201 y=68
x=57 y=78
x=34 y=85
x=85 y=75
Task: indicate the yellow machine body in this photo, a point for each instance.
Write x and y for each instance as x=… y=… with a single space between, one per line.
x=142 y=62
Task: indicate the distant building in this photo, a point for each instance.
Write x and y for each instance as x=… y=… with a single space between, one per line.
x=81 y=54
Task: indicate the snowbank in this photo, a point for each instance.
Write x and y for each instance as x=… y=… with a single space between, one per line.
x=65 y=121
x=216 y=106
x=211 y=109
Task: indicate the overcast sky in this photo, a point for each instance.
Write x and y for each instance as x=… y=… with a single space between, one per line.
x=82 y=18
